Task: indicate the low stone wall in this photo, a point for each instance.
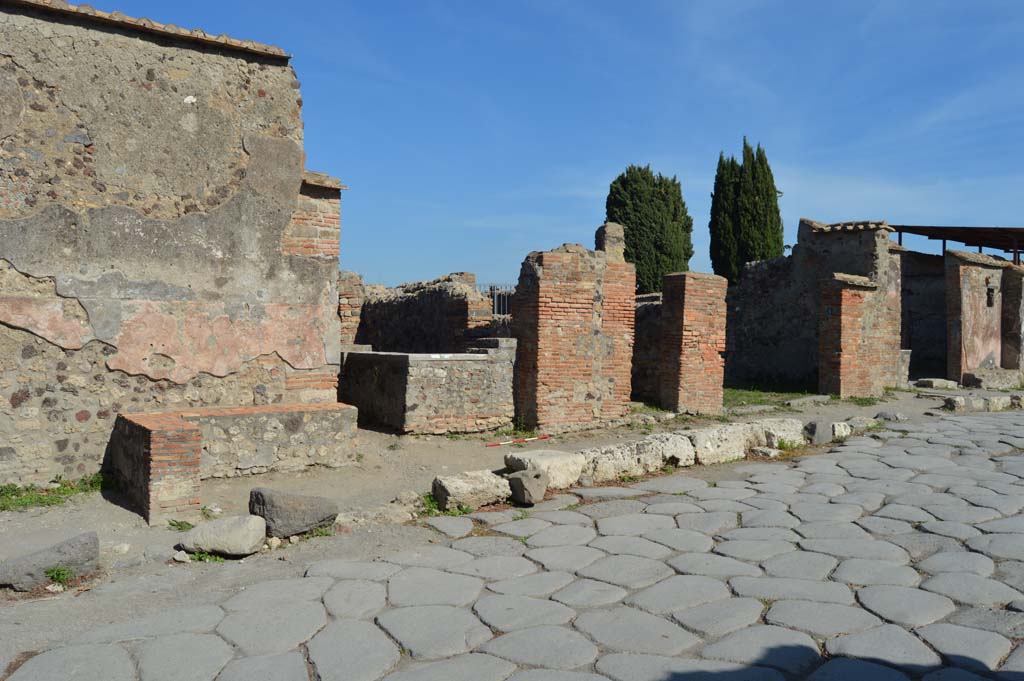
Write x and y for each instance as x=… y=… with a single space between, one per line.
x=432 y=393
x=158 y=459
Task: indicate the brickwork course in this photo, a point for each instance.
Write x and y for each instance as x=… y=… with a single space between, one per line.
x=572 y=315
x=692 y=343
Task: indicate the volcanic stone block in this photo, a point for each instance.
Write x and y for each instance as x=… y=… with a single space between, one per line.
x=290 y=514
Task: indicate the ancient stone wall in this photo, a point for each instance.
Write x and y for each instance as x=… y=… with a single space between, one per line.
x=1013 y=317
x=432 y=393
x=572 y=315
x=692 y=343
x=974 y=309
x=647 y=349
x=923 y=328
x=431 y=316
x=772 y=330
x=158 y=243
x=351 y=294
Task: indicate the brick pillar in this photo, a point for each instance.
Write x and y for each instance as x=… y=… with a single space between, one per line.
x=692 y=341
x=845 y=355
x=351 y=294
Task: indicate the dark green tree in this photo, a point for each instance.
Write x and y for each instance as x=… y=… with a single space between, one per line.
x=658 y=228
x=724 y=254
x=745 y=222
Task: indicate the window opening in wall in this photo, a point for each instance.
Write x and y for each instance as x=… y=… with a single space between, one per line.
x=990 y=292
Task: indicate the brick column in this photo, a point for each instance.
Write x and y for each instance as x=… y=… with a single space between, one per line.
x=847 y=356
x=693 y=315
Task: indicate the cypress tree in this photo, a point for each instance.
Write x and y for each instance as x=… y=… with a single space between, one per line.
x=773 y=236
x=724 y=260
x=658 y=227
x=748 y=213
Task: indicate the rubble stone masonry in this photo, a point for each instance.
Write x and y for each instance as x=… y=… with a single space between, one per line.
x=692 y=343
x=974 y=311
x=573 y=315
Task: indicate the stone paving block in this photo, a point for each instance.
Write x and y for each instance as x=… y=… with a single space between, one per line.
x=430 y=632
x=551 y=647
x=484 y=546
x=974 y=649
x=348 y=569
x=729 y=493
x=349 y=650
x=958 y=561
x=78 y=663
x=634 y=524
x=885 y=526
x=720 y=617
x=496 y=567
x=1013 y=525
x=631 y=572
x=800 y=565
x=875 y=572
x=608 y=492
x=276 y=628
x=629 y=630
x=844 y=669
x=355 y=599
x=567 y=558
x=678 y=593
x=522 y=528
x=712 y=565
x=999 y=546
x=761 y=518
x=564 y=518
x=760 y=534
x=946 y=528
x=634 y=667
x=832 y=531
x=468 y=667
x=287 y=667
x=159 y=659
x=920 y=545
x=194 y=620
x=615 y=507
x=681 y=540
x=822 y=620
x=553 y=675
x=672 y=508
x=753 y=551
x=790 y=651
x=779 y=588
x=971 y=589
x=562 y=535
x=589 y=593
x=507 y=613
x=452 y=526
x=951 y=674
x=888 y=644
x=1014 y=664
x=671 y=484
x=634 y=546
x=278 y=591
x=439 y=557
x=962 y=514
x=871 y=549
x=910 y=514
x=826 y=513
x=539 y=584
x=904 y=605
x=426 y=586
x=708 y=523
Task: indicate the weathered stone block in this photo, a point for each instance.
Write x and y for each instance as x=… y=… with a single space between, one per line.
x=936 y=383
x=290 y=514
x=471 y=489
x=79 y=554
x=528 y=487
x=235 y=536
x=725 y=443
x=777 y=431
x=670 y=448
x=563 y=468
x=614 y=461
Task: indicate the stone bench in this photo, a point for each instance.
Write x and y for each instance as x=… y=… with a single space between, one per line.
x=159 y=459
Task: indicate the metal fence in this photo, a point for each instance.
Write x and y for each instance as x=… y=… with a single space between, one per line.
x=501 y=297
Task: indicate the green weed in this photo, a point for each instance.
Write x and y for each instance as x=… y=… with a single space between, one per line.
x=179 y=525
x=17 y=498
x=58 y=574
x=204 y=557
x=432 y=509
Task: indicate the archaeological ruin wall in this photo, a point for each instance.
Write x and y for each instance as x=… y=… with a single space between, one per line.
x=646 y=366
x=160 y=244
x=923 y=325
x=572 y=316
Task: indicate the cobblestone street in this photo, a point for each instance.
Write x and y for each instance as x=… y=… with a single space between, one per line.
x=899 y=555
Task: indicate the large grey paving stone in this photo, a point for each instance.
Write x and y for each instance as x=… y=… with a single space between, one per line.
x=875 y=572
x=562 y=535
x=160 y=659
x=630 y=630
x=681 y=540
x=971 y=589
x=483 y=547
x=885 y=526
x=761 y=518
x=567 y=558
x=426 y=586
x=759 y=534
x=752 y=550
x=78 y=663
x=1013 y=667
x=589 y=593
x=1005 y=622
x=635 y=667
x=661 y=507
x=554 y=675
x=429 y=555
x=564 y=518
x=508 y=613
x=822 y=620
x=837 y=531
x=278 y=591
x=708 y=523
x=195 y=620
x=910 y=514
x=920 y=545
x=523 y=527
x=677 y=593
x=999 y=546
x=338 y=568
x=958 y=561
x=952 y=674
x=633 y=546
x=496 y=567
x=632 y=572
x=634 y=524
x=712 y=565
x=720 y=617
x=671 y=484
x=276 y=628
x=719 y=492
x=790 y=651
x=965 y=647
x=845 y=669
x=903 y=605
x=608 y=492
x=453 y=527
x=869 y=501
x=550 y=647
x=286 y=667
x=537 y=584
x=888 y=644
x=355 y=599
x=962 y=514
x=800 y=565
x=826 y=513
x=430 y=632
x=873 y=549
x=1011 y=525
x=779 y=588
x=730 y=506
x=468 y=667
x=349 y=650
x=607 y=509
x=946 y=528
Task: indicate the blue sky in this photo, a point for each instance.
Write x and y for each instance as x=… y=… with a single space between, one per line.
x=473 y=132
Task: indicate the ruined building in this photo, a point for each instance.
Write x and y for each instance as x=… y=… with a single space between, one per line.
x=162 y=247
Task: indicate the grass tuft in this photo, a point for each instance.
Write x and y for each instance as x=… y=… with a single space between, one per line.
x=432 y=509
x=179 y=525
x=17 y=498
x=58 y=574
x=204 y=557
